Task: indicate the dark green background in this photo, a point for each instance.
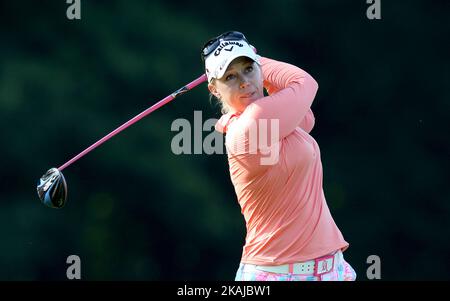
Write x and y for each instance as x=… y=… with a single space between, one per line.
x=136 y=211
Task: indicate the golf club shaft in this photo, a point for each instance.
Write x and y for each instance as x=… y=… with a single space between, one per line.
x=159 y=104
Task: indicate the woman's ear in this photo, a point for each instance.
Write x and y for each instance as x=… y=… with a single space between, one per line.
x=212 y=88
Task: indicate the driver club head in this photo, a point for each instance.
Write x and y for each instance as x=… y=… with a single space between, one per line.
x=52 y=189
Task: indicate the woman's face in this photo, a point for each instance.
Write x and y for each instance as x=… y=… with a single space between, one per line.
x=241 y=84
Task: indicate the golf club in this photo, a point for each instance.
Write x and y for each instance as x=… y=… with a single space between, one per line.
x=52 y=186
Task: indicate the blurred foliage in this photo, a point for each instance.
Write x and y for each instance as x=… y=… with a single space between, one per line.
x=136 y=211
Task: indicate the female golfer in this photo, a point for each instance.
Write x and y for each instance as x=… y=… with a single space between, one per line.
x=274 y=164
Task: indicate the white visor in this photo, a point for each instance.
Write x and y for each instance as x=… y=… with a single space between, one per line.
x=217 y=62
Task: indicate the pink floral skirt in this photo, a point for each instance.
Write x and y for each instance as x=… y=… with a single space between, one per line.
x=342 y=271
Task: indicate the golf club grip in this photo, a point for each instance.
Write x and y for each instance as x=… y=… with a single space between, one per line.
x=135 y=119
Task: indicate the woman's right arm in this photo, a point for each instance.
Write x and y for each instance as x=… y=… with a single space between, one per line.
x=292 y=91
x=307 y=123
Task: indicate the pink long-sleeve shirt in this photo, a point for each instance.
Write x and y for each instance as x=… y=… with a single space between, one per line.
x=282 y=199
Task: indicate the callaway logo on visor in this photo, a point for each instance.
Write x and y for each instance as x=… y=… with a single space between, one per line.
x=225 y=44
x=224 y=54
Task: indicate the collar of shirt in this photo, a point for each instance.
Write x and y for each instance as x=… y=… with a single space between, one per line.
x=224 y=121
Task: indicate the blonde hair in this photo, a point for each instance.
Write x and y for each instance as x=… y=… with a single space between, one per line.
x=224 y=107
